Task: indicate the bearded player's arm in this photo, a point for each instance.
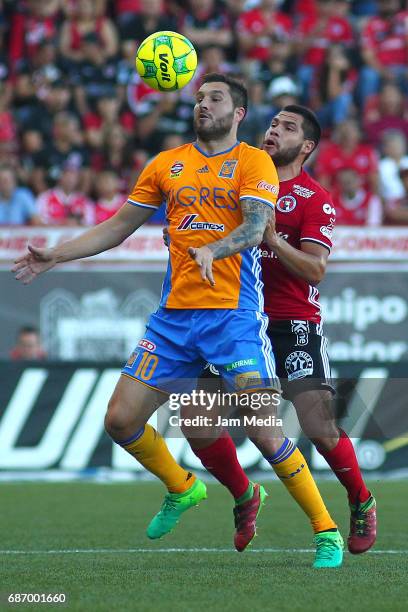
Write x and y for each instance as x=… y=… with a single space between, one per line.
x=247 y=235
x=310 y=261
x=257 y=199
x=98 y=239
x=107 y=235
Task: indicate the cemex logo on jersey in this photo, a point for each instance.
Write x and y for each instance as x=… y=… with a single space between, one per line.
x=286 y=204
x=188 y=223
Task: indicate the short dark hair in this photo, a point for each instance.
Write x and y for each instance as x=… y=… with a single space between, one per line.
x=237 y=89
x=311 y=126
x=28 y=329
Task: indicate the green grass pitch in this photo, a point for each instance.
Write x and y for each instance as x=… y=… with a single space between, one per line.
x=105 y=523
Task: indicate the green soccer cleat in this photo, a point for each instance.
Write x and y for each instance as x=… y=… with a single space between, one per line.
x=329 y=549
x=173 y=507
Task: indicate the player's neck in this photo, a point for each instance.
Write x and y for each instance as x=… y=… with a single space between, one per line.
x=212 y=147
x=289 y=172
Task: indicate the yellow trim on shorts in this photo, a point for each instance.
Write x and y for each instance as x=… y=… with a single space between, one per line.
x=145 y=384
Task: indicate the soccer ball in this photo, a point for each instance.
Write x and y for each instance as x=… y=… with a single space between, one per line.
x=166 y=61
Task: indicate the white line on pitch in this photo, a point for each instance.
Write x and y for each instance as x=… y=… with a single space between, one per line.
x=122 y=551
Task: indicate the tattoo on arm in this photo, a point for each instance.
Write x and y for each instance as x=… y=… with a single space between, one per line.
x=248 y=234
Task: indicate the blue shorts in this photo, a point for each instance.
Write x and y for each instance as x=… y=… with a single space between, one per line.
x=179 y=343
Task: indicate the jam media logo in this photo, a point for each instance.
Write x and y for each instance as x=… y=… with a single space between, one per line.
x=286 y=204
x=228 y=168
x=176 y=169
x=188 y=223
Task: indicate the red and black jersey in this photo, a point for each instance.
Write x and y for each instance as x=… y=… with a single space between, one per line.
x=304 y=212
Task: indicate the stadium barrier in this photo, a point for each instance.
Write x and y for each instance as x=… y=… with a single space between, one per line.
x=97 y=308
x=51 y=418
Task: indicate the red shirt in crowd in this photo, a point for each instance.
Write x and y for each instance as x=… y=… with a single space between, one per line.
x=57 y=208
x=105 y=209
x=363 y=209
x=388 y=39
x=27 y=32
x=127 y=6
x=8 y=129
x=376 y=120
x=337 y=30
x=305 y=8
x=332 y=158
x=304 y=213
x=375 y=130
x=76 y=37
x=93 y=121
x=254 y=22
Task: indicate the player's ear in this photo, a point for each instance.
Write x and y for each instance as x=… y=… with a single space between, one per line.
x=240 y=113
x=308 y=147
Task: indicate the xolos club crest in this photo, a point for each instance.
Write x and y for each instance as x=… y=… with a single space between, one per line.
x=286 y=203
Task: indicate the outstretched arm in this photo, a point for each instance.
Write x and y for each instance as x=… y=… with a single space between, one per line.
x=100 y=238
x=248 y=234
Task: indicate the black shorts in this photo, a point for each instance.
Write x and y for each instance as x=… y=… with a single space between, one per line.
x=302 y=362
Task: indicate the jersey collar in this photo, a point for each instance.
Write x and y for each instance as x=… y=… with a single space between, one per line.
x=215 y=154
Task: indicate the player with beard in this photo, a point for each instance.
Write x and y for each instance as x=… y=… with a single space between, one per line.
x=295 y=250
x=219 y=195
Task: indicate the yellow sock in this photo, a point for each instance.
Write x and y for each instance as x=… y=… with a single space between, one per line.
x=291 y=467
x=148 y=447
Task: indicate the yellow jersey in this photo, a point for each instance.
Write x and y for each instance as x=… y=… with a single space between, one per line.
x=202 y=194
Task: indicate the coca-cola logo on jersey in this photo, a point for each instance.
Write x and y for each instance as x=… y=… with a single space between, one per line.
x=268 y=187
x=286 y=203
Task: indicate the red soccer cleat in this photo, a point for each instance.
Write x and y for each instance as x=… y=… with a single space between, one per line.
x=245 y=516
x=363 y=527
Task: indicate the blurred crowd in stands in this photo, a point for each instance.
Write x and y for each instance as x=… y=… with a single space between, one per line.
x=77 y=124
